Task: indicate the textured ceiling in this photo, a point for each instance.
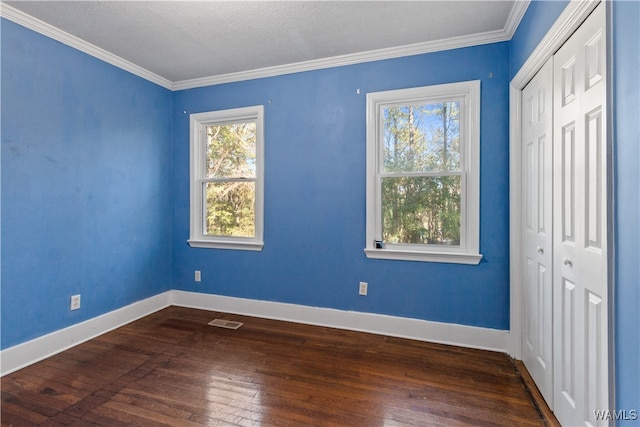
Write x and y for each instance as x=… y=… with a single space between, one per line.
x=186 y=40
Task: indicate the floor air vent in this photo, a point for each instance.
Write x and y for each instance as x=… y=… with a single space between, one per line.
x=228 y=324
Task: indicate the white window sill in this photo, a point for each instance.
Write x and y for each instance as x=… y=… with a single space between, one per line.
x=225 y=244
x=405 y=255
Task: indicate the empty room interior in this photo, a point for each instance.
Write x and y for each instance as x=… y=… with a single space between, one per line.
x=320 y=213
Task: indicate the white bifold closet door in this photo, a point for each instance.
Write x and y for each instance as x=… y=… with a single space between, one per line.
x=580 y=225
x=565 y=322
x=537 y=181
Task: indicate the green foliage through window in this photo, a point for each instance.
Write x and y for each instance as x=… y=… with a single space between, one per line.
x=421 y=176
x=231 y=173
x=421 y=210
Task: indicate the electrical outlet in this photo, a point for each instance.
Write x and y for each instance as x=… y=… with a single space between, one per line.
x=197 y=276
x=75 y=302
x=362 y=290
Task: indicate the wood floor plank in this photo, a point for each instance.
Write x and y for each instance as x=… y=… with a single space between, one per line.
x=171 y=368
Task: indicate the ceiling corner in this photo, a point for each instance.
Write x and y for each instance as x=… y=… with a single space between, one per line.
x=517 y=13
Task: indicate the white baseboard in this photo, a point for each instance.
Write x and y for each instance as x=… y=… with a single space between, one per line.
x=27 y=353
x=402 y=327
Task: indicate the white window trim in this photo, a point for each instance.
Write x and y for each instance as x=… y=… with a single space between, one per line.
x=469 y=250
x=198 y=122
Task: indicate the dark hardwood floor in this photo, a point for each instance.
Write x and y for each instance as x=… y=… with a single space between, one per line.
x=171 y=368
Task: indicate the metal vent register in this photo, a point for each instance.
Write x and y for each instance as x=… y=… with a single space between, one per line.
x=228 y=324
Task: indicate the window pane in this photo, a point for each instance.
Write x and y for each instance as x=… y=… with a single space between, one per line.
x=231 y=150
x=230 y=209
x=422 y=138
x=421 y=210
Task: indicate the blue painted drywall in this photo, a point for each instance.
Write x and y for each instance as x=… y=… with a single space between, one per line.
x=315 y=195
x=86 y=200
x=540 y=16
x=626 y=109
x=626 y=127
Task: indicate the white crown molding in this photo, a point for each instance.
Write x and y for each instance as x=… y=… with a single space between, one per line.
x=349 y=59
x=30 y=352
x=55 y=33
x=48 y=30
x=517 y=13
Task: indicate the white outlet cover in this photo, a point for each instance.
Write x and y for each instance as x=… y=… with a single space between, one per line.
x=75 y=302
x=362 y=290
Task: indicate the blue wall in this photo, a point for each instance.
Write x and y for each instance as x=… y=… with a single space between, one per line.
x=86 y=171
x=315 y=195
x=626 y=109
x=539 y=18
x=626 y=127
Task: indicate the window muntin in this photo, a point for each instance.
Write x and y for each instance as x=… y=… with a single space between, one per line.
x=226 y=179
x=423 y=173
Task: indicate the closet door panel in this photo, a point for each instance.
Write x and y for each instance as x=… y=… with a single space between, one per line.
x=537 y=339
x=580 y=259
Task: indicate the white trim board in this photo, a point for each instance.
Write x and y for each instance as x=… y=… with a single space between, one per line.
x=505 y=34
x=401 y=327
x=30 y=352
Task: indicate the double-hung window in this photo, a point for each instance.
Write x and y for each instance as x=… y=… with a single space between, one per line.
x=423 y=173
x=227 y=169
